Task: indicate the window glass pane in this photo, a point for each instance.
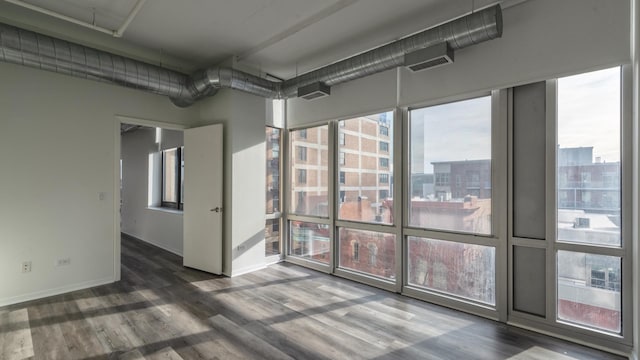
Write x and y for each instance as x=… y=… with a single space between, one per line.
x=589 y=158
x=309 y=240
x=589 y=290
x=369 y=252
x=272 y=237
x=460 y=269
x=366 y=169
x=182 y=175
x=309 y=175
x=450 y=166
x=273 y=170
x=169 y=176
x=272 y=227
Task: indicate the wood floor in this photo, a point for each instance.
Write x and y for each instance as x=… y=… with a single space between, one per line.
x=161 y=310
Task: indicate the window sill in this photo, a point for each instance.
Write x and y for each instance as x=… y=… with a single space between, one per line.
x=166 y=210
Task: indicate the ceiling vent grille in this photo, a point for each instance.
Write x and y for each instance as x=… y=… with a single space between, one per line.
x=429 y=57
x=314 y=91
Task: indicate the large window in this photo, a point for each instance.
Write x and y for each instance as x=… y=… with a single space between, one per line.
x=310 y=240
x=273 y=210
x=461 y=269
x=451 y=142
x=364 y=178
x=369 y=252
x=589 y=215
x=309 y=190
x=364 y=187
x=450 y=154
x=172 y=178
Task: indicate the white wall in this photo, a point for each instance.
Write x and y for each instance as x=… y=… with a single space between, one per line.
x=57 y=152
x=541 y=39
x=160 y=227
x=243 y=117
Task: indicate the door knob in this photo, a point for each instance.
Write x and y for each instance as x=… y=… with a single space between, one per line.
x=217 y=209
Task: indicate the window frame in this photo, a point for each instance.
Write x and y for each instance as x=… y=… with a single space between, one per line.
x=498 y=236
x=277 y=215
x=179 y=203
x=550 y=323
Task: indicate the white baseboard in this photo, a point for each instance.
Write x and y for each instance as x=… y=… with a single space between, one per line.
x=247 y=270
x=55 y=291
x=173 y=251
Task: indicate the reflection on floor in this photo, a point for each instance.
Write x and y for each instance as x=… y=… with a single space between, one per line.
x=161 y=310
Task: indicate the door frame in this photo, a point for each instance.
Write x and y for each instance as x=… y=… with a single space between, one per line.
x=119 y=120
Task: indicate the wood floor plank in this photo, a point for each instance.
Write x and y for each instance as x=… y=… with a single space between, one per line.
x=161 y=310
x=165 y=354
x=17 y=343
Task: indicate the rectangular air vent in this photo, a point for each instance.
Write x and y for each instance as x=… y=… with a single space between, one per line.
x=314 y=91
x=430 y=57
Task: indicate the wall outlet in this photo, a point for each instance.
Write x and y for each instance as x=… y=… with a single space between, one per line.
x=26 y=266
x=63 y=262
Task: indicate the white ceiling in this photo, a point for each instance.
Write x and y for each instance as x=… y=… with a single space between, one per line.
x=279 y=37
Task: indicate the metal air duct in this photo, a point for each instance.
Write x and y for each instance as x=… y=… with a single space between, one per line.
x=39 y=51
x=24 y=47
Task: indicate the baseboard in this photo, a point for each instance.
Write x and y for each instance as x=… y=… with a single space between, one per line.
x=55 y=291
x=247 y=270
x=173 y=251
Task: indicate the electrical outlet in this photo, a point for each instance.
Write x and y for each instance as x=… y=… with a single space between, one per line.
x=26 y=266
x=63 y=262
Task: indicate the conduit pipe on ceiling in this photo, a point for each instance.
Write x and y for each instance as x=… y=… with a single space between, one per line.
x=35 y=50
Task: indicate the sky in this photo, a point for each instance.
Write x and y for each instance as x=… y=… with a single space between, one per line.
x=452 y=132
x=589 y=112
x=588 y=115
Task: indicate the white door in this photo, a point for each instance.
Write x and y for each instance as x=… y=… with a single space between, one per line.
x=203 y=198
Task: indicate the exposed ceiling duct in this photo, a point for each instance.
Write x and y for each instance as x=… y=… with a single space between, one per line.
x=35 y=50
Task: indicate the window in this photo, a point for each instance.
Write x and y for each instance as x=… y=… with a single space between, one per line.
x=302 y=134
x=589 y=157
x=442 y=179
x=273 y=216
x=465 y=270
x=341 y=138
x=172 y=174
x=373 y=254
x=302 y=176
x=365 y=180
x=589 y=215
x=449 y=151
x=436 y=147
x=302 y=153
x=309 y=240
x=355 y=247
x=309 y=173
x=384 y=146
x=384 y=131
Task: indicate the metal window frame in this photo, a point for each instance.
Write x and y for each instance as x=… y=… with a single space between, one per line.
x=550 y=324
x=178 y=204
x=271 y=259
x=498 y=237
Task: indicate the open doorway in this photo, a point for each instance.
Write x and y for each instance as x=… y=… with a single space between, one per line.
x=150 y=169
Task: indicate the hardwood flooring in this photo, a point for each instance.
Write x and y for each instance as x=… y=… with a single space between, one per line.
x=161 y=310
